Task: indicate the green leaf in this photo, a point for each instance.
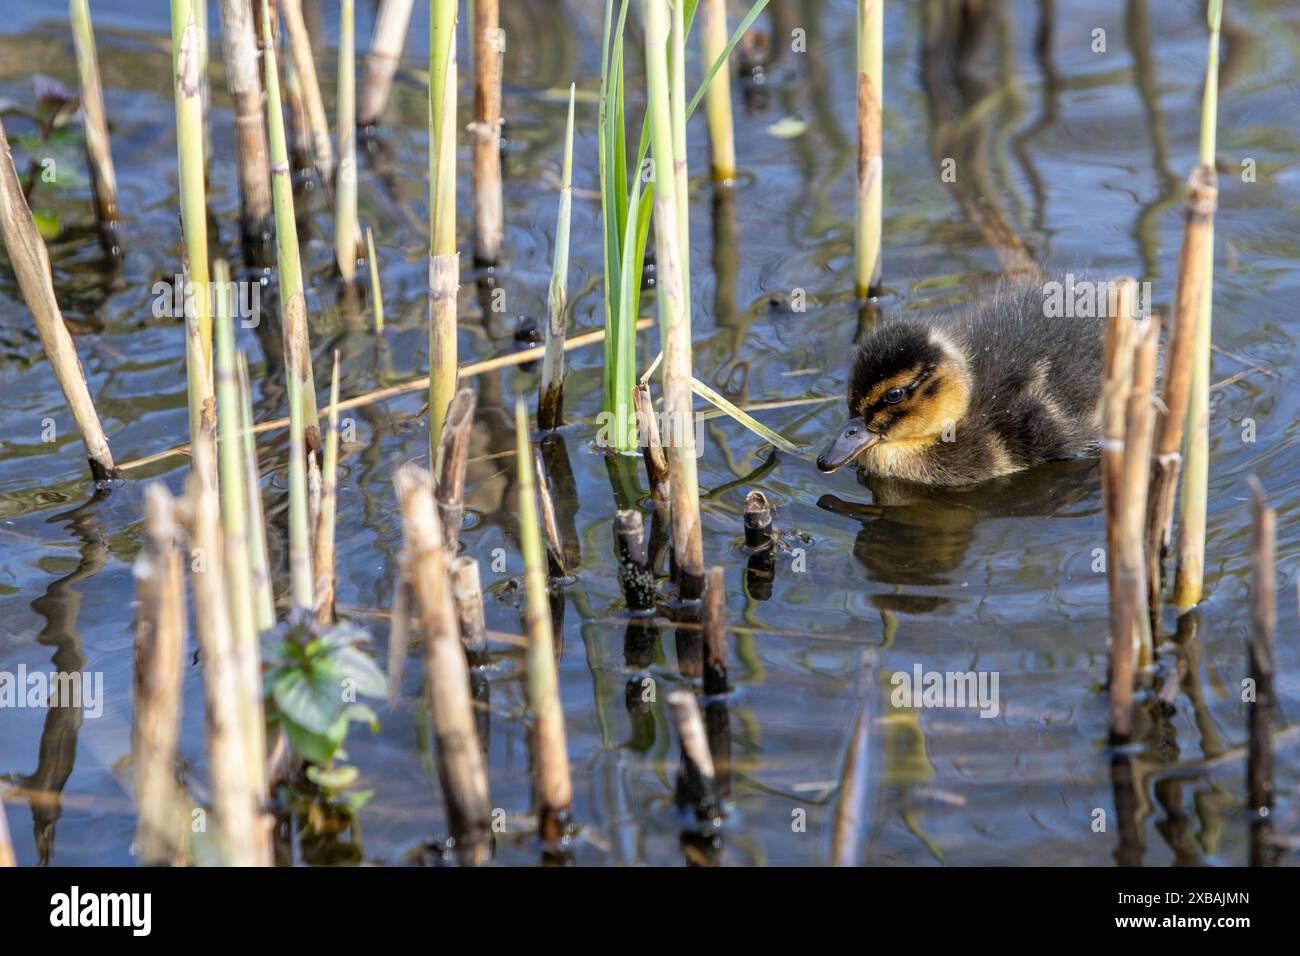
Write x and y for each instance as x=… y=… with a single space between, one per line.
x=354 y=663
x=315 y=748
x=335 y=778
x=311 y=699
x=47 y=224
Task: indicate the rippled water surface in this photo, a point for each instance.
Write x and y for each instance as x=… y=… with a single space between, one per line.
x=1073 y=156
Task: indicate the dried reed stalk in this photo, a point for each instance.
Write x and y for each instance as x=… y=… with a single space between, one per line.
x=99 y=158
x=31 y=264
x=550 y=527
x=867 y=236
x=467 y=592
x=551 y=758
x=460 y=763
x=161 y=833
x=656 y=462
x=258 y=560
x=347 y=236
x=381 y=63
x=1202 y=197
x=399 y=630
x=696 y=782
x=634 y=571
x=550 y=391
x=323 y=542
x=453 y=459
x=715 y=632
x=239 y=44
x=444 y=263
x=489 y=44
x=304 y=67
x=717 y=100
x=241 y=839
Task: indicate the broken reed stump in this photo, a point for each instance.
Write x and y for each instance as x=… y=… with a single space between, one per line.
x=385 y=54
x=634 y=571
x=715 y=632
x=550 y=390
x=696 y=783
x=7 y=856
x=550 y=528
x=31 y=264
x=851 y=809
x=460 y=762
x=1166 y=466
x=453 y=458
x=241 y=838
x=1263 y=617
x=656 y=463
x=758 y=520
x=252 y=152
x=467 y=592
x=164 y=821
x=99 y=158
x=554 y=787
x=1128 y=419
x=485 y=174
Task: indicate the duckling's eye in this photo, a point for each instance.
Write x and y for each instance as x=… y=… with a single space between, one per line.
x=895 y=395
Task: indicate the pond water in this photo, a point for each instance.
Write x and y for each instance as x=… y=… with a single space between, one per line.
x=1069 y=154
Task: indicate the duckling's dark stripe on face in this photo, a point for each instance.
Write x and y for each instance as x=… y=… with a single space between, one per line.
x=875 y=402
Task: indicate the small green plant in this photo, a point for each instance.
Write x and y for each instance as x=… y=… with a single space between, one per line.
x=315 y=678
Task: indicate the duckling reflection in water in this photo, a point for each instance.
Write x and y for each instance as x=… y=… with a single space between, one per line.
x=978 y=394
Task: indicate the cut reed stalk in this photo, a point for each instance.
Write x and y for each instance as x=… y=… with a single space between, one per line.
x=99 y=157
x=444 y=263
x=697 y=788
x=1137 y=474
x=305 y=69
x=7 y=856
x=715 y=632
x=717 y=100
x=486 y=169
x=467 y=592
x=31 y=264
x=674 y=307
x=1202 y=197
x=656 y=463
x=550 y=394
x=758 y=520
x=870 y=167
x=453 y=459
x=239 y=45
x=1116 y=385
x=1263 y=615
x=551 y=758
x=237 y=578
x=634 y=571
x=347 y=237
x=381 y=63
x=376 y=290
x=293 y=303
x=258 y=560
x=240 y=839
x=161 y=832
x=323 y=542
x=460 y=763
x=1190 y=575
x=550 y=527
x=188 y=87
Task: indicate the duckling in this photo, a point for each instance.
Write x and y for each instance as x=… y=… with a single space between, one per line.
x=987 y=391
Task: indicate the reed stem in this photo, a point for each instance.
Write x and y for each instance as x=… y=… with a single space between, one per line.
x=550 y=395
x=870 y=168
x=453 y=459
x=161 y=833
x=467 y=592
x=347 y=237
x=381 y=63
x=323 y=554
x=1202 y=197
x=554 y=786
x=717 y=100
x=758 y=520
x=304 y=66
x=634 y=571
x=1190 y=576
x=715 y=632
x=460 y=762
x=99 y=157
x=31 y=265
x=1259 y=759
x=258 y=560
x=444 y=263
x=486 y=170
x=375 y=289
x=696 y=780
x=239 y=43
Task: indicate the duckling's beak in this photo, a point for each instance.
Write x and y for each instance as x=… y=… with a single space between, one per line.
x=854 y=438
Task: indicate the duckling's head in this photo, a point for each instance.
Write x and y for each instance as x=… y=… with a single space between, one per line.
x=909 y=385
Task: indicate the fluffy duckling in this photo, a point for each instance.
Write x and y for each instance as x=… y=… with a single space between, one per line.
x=987 y=391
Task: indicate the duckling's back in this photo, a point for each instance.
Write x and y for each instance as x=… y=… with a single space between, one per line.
x=1036 y=378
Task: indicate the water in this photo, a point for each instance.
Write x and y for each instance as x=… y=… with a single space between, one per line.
x=1080 y=154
